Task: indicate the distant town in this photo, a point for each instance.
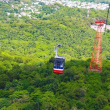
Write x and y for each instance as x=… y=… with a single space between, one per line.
x=27 y=10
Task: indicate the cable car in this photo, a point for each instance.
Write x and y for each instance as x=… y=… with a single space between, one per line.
x=58 y=62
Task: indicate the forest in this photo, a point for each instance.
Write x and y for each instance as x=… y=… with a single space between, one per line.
x=27 y=81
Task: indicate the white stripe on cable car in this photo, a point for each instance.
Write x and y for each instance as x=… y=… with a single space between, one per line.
x=58 y=69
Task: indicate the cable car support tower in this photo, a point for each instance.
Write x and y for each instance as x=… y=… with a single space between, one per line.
x=96 y=59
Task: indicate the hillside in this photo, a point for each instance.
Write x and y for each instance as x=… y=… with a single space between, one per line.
x=37 y=38
x=27 y=81
x=29 y=87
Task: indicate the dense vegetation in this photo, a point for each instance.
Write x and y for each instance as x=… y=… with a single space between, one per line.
x=30 y=87
x=26 y=61
x=68 y=26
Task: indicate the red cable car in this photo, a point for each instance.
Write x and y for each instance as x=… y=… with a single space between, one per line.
x=58 y=62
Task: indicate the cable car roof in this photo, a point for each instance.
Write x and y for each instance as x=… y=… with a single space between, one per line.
x=61 y=57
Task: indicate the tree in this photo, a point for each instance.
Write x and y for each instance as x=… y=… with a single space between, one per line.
x=20 y=96
x=36 y=97
x=4 y=103
x=48 y=101
x=3 y=79
x=101 y=100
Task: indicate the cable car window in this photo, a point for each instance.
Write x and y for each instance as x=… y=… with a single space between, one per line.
x=62 y=63
x=55 y=63
x=59 y=63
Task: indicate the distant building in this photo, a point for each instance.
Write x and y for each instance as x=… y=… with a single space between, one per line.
x=103 y=28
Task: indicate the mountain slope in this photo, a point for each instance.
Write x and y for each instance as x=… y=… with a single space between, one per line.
x=68 y=26
x=27 y=81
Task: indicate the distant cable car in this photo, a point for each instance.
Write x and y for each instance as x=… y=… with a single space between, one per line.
x=58 y=62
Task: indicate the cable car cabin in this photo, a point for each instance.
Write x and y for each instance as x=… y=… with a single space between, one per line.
x=59 y=64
